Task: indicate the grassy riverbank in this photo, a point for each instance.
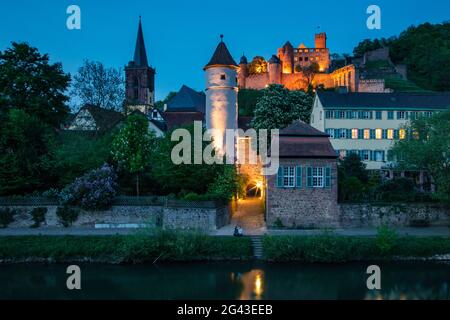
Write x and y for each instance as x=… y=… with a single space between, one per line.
x=329 y=248
x=164 y=246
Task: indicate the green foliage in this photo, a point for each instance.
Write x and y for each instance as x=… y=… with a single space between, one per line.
x=226 y=185
x=332 y=249
x=133 y=145
x=29 y=83
x=6 y=216
x=67 y=216
x=352 y=166
x=279 y=107
x=161 y=246
x=247 y=99
x=38 y=215
x=386 y=240
x=370 y=45
x=26 y=164
x=428 y=149
x=160 y=104
x=397 y=189
x=352 y=179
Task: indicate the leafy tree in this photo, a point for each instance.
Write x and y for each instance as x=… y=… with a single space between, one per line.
x=352 y=166
x=258 y=65
x=30 y=83
x=25 y=161
x=97 y=85
x=309 y=72
x=278 y=107
x=427 y=148
x=353 y=178
x=369 y=45
x=133 y=145
x=247 y=99
x=160 y=104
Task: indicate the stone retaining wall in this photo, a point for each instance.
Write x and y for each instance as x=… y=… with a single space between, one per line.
x=394 y=215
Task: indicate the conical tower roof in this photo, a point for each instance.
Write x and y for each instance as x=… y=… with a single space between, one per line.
x=221 y=56
x=140 y=54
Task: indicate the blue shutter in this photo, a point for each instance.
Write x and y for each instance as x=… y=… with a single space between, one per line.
x=396 y=134
x=384 y=133
x=371 y=155
x=348 y=114
x=327 y=177
x=383 y=154
x=309 y=178
x=280 y=177
x=336 y=133
x=298 y=177
x=360 y=133
x=372 y=133
x=349 y=133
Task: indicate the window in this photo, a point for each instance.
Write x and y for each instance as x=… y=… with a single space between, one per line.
x=365 y=114
x=378 y=134
x=317 y=177
x=390 y=134
x=341 y=114
x=320 y=115
x=401 y=115
x=428 y=114
x=364 y=155
x=329 y=114
x=342 y=133
x=378 y=115
x=222 y=77
x=414 y=115
x=366 y=134
x=288 y=177
x=330 y=132
x=390 y=115
x=306 y=58
x=354 y=133
x=378 y=155
x=402 y=134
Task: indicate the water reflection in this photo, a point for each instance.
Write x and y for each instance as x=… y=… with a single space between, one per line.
x=233 y=280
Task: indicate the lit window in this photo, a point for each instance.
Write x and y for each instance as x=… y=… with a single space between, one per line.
x=318 y=177
x=402 y=134
x=354 y=133
x=288 y=177
x=366 y=134
x=378 y=134
x=390 y=134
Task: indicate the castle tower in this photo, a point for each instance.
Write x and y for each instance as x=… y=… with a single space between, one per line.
x=221 y=96
x=243 y=71
x=139 y=78
x=320 y=40
x=274 y=70
x=286 y=55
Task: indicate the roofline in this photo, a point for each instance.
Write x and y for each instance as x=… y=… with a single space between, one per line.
x=309 y=157
x=385 y=108
x=231 y=66
x=305 y=135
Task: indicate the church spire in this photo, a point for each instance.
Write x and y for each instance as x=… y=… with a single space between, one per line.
x=140 y=55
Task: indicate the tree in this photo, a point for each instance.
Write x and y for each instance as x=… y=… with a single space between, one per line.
x=278 y=107
x=258 y=65
x=25 y=161
x=309 y=72
x=133 y=145
x=247 y=99
x=352 y=166
x=428 y=148
x=30 y=83
x=97 y=85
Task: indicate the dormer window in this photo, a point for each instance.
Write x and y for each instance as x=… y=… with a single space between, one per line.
x=222 y=77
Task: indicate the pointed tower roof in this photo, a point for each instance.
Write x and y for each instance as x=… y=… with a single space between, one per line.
x=221 y=56
x=140 y=54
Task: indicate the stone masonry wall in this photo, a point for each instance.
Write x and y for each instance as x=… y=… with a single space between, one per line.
x=395 y=215
x=303 y=207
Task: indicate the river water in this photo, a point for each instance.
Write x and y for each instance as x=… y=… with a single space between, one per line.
x=228 y=280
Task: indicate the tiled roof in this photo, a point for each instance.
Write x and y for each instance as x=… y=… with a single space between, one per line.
x=180 y=119
x=221 y=57
x=104 y=118
x=187 y=99
x=300 y=128
x=396 y=100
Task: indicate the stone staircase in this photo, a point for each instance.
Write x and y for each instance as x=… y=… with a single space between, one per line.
x=257 y=247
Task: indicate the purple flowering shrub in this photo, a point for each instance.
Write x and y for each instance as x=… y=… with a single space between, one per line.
x=93 y=191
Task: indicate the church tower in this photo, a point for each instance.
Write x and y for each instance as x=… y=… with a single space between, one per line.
x=139 y=78
x=221 y=96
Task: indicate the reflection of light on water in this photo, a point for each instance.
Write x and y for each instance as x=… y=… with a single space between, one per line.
x=252 y=284
x=258 y=286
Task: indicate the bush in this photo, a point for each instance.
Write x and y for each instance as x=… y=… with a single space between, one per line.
x=67 y=216
x=6 y=217
x=386 y=239
x=93 y=191
x=38 y=215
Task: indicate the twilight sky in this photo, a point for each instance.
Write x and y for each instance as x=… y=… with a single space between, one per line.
x=182 y=35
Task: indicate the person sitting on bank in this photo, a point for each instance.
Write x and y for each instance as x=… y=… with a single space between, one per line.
x=238 y=232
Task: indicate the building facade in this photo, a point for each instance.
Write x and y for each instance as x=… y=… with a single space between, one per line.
x=368 y=124
x=304 y=192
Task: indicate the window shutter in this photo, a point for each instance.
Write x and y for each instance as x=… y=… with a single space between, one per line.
x=371 y=155
x=383 y=154
x=298 y=177
x=280 y=177
x=372 y=133
x=384 y=133
x=309 y=178
x=349 y=133
x=327 y=177
x=360 y=133
x=396 y=134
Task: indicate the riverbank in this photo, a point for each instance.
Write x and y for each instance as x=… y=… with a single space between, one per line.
x=180 y=246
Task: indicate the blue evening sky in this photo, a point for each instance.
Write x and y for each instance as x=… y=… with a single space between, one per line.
x=182 y=35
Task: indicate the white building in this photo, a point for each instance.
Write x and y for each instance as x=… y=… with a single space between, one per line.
x=369 y=123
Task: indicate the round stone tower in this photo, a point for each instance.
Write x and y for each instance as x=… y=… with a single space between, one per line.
x=221 y=96
x=243 y=72
x=286 y=55
x=274 y=70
